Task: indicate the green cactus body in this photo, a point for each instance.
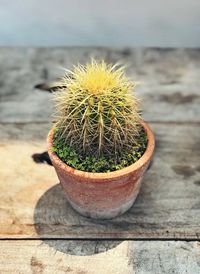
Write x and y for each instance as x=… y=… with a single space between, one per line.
x=97 y=111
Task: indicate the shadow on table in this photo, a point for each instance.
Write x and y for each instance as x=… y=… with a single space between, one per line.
x=55 y=220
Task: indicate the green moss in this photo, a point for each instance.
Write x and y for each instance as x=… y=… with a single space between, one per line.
x=94 y=163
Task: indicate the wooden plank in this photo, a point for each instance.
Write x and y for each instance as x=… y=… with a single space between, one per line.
x=84 y=257
x=32 y=204
x=169 y=80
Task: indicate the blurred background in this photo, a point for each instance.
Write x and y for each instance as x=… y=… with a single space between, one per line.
x=155 y=23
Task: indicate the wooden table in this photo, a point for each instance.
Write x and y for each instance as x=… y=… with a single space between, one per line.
x=39 y=231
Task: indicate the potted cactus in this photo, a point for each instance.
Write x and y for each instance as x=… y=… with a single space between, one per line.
x=99 y=145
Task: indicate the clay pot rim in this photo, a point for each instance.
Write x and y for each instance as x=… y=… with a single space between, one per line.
x=105 y=175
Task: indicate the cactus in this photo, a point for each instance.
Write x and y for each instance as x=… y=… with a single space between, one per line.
x=96 y=110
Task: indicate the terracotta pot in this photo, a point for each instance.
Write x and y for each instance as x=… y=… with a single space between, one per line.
x=102 y=195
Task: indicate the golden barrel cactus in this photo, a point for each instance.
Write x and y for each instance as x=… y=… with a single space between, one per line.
x=97 y=111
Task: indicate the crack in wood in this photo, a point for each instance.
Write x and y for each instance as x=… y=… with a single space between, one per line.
x=42 y=158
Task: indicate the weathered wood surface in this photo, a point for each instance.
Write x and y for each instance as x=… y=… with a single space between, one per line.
x=32 y=203
x=169 y=80
x=83 y=257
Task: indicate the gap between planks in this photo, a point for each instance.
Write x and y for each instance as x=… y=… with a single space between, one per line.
x=102 y=239
x=192 y=123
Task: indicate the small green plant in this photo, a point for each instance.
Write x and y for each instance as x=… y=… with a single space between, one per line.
x=94 y=163
x=97 y=112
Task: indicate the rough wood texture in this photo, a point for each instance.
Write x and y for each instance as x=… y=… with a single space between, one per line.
x=169 y=80
x=33 y=205
x=83 y=257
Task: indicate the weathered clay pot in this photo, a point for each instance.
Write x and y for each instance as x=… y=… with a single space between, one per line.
x=102 y=195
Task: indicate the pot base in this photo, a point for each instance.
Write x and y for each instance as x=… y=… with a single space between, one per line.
x=104 y=214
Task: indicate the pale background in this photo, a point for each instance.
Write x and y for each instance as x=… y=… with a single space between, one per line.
x=171 y=23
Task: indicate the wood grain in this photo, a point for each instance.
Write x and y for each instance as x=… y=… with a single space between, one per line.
x=33 y=205
x=169 y=80
x=89 y=257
